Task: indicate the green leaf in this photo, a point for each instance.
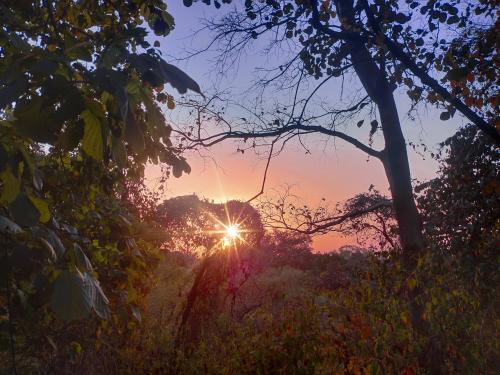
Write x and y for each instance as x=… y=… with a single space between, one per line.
x=412 y=283
x=111 y=57
x=4 y=158
x=8 y=226
x=71 y=297
x=10 y=93
x=119 y=152
x=42 y=207
x=11 y=187
x=18 y=42
x=82 y=261
x=72 y=135
x=32 y=120
x=92 y=143
x=24 y=211
x=99 y=301
x=76 y=49
x=22 y=257
x=52 y=238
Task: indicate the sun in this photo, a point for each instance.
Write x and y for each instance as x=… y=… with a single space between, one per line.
x=232 y=231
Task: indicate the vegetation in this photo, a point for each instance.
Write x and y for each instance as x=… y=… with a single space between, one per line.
x=98 y=275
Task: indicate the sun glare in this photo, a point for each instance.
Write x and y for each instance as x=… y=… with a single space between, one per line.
x=232 y=231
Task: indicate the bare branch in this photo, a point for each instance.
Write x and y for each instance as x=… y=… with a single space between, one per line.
x=265 y=174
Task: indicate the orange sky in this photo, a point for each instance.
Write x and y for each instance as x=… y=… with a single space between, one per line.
x=335 y=173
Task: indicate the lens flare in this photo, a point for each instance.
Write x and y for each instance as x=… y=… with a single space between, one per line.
x=232 y=231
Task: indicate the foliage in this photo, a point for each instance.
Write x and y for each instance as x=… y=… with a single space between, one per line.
x=407 y=38
x=80 y=94
x=461 y=206
x=80 y=88
x=197 y=225
x=282 y=322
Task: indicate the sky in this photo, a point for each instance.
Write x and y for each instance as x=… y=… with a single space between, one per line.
x=333 y=170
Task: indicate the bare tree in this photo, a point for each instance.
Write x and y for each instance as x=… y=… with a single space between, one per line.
x=368 y=216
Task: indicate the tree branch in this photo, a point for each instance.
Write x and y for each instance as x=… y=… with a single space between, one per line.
x=265 y=174
x=331 y=222
x=217 y=138
x=397 y=51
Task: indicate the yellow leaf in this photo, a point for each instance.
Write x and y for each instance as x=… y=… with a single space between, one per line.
x=42 y=207
x=11 y=186
x=92 y=142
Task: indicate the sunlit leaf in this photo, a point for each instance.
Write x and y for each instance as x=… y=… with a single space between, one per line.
x=51 y=237
x=100 y=302
x=11 y=186
x=42 y=207
x=92 y=142
x=82 y=261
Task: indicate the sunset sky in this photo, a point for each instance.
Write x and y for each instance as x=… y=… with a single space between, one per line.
x=334 y=170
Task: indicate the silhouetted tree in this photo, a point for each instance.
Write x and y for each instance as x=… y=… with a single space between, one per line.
x=387 y=47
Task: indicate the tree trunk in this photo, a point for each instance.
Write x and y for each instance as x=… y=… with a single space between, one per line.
x=395 y=158
x=397 y=169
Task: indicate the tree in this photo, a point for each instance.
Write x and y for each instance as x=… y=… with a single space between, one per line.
x=80 y=89
x=386 y=47
x=368 y=216
x=196 y=226
x=460 y=206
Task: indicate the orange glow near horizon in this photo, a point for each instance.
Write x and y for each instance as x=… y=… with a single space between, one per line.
x=234 y=176
x=335 y=174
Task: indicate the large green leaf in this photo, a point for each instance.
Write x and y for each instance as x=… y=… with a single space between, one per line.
x=71 y=297
x=133 y=133
x=119 y=152
x=42 y=207
x=82 y=261
x=92 y=142
x=32 y=121
x=12 y=92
